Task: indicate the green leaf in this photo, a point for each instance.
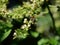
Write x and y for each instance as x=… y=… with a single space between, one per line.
x=42 y=41
x=53 y=41
x=35 y=34
x=5 y=29
x=5 y=35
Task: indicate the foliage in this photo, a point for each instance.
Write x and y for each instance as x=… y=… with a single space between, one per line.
x=30 y=20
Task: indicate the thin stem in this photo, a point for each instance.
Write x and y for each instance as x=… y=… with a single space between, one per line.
x=51 y=15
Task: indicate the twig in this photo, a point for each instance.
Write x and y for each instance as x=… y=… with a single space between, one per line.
x=51 y=15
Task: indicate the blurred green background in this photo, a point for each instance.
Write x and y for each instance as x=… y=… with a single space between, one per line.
x=29 y=22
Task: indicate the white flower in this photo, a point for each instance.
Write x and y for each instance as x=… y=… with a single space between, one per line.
x=25 y=20
x=42 y=0
x=23 y=26
x=31 y=0
x=29 y=25
x=34 y=1
x=14 y=33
